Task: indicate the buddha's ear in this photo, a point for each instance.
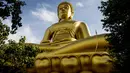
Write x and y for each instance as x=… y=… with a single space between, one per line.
x=72 y=14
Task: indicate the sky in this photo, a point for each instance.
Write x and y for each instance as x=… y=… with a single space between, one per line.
x=38 y=15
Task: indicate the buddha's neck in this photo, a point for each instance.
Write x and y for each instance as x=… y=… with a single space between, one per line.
x=65 y=20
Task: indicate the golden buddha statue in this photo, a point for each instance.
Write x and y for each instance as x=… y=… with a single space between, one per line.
x=71 y=48
x=65 y=31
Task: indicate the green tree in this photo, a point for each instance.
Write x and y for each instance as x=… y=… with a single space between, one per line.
x=12 y=9
x=116 y=20
x=14 y=57
x=17 y=57
x=4 y=32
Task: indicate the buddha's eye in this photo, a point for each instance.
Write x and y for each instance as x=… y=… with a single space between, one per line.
x=66 y=7
x=60 y=8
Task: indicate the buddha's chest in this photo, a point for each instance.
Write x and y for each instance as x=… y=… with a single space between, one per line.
x=63 y=30
x=65 y=27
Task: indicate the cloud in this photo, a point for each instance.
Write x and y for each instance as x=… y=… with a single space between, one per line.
x=25 y=31
x=43 y=5
x=22 y=31
x=43 y=13
x=79 y=4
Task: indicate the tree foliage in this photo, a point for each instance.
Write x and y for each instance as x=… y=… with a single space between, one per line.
x=14 y=57
x=116 y=20
x=4 y=32
x=12 y=8
x=17 y=57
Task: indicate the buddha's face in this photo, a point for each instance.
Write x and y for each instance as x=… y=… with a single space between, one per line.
x=64 y=11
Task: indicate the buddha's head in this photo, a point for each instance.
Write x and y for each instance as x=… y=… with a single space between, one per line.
x=65 y=11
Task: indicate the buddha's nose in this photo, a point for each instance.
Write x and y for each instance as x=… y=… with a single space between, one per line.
x=63 y=8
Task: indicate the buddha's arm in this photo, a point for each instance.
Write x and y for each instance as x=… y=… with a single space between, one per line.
x=47 y=37
x=83 y=31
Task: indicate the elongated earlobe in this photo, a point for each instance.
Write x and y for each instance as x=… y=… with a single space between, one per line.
x=71 y=17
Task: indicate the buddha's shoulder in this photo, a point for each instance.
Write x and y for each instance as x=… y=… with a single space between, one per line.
x=73 y=22
x=68 y=22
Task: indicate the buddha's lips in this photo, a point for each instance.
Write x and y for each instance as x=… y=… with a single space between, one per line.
x=63 y=11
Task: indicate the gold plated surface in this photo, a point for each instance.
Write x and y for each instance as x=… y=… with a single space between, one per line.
x=67 y=47
x=91 y=62
x=66 y=29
